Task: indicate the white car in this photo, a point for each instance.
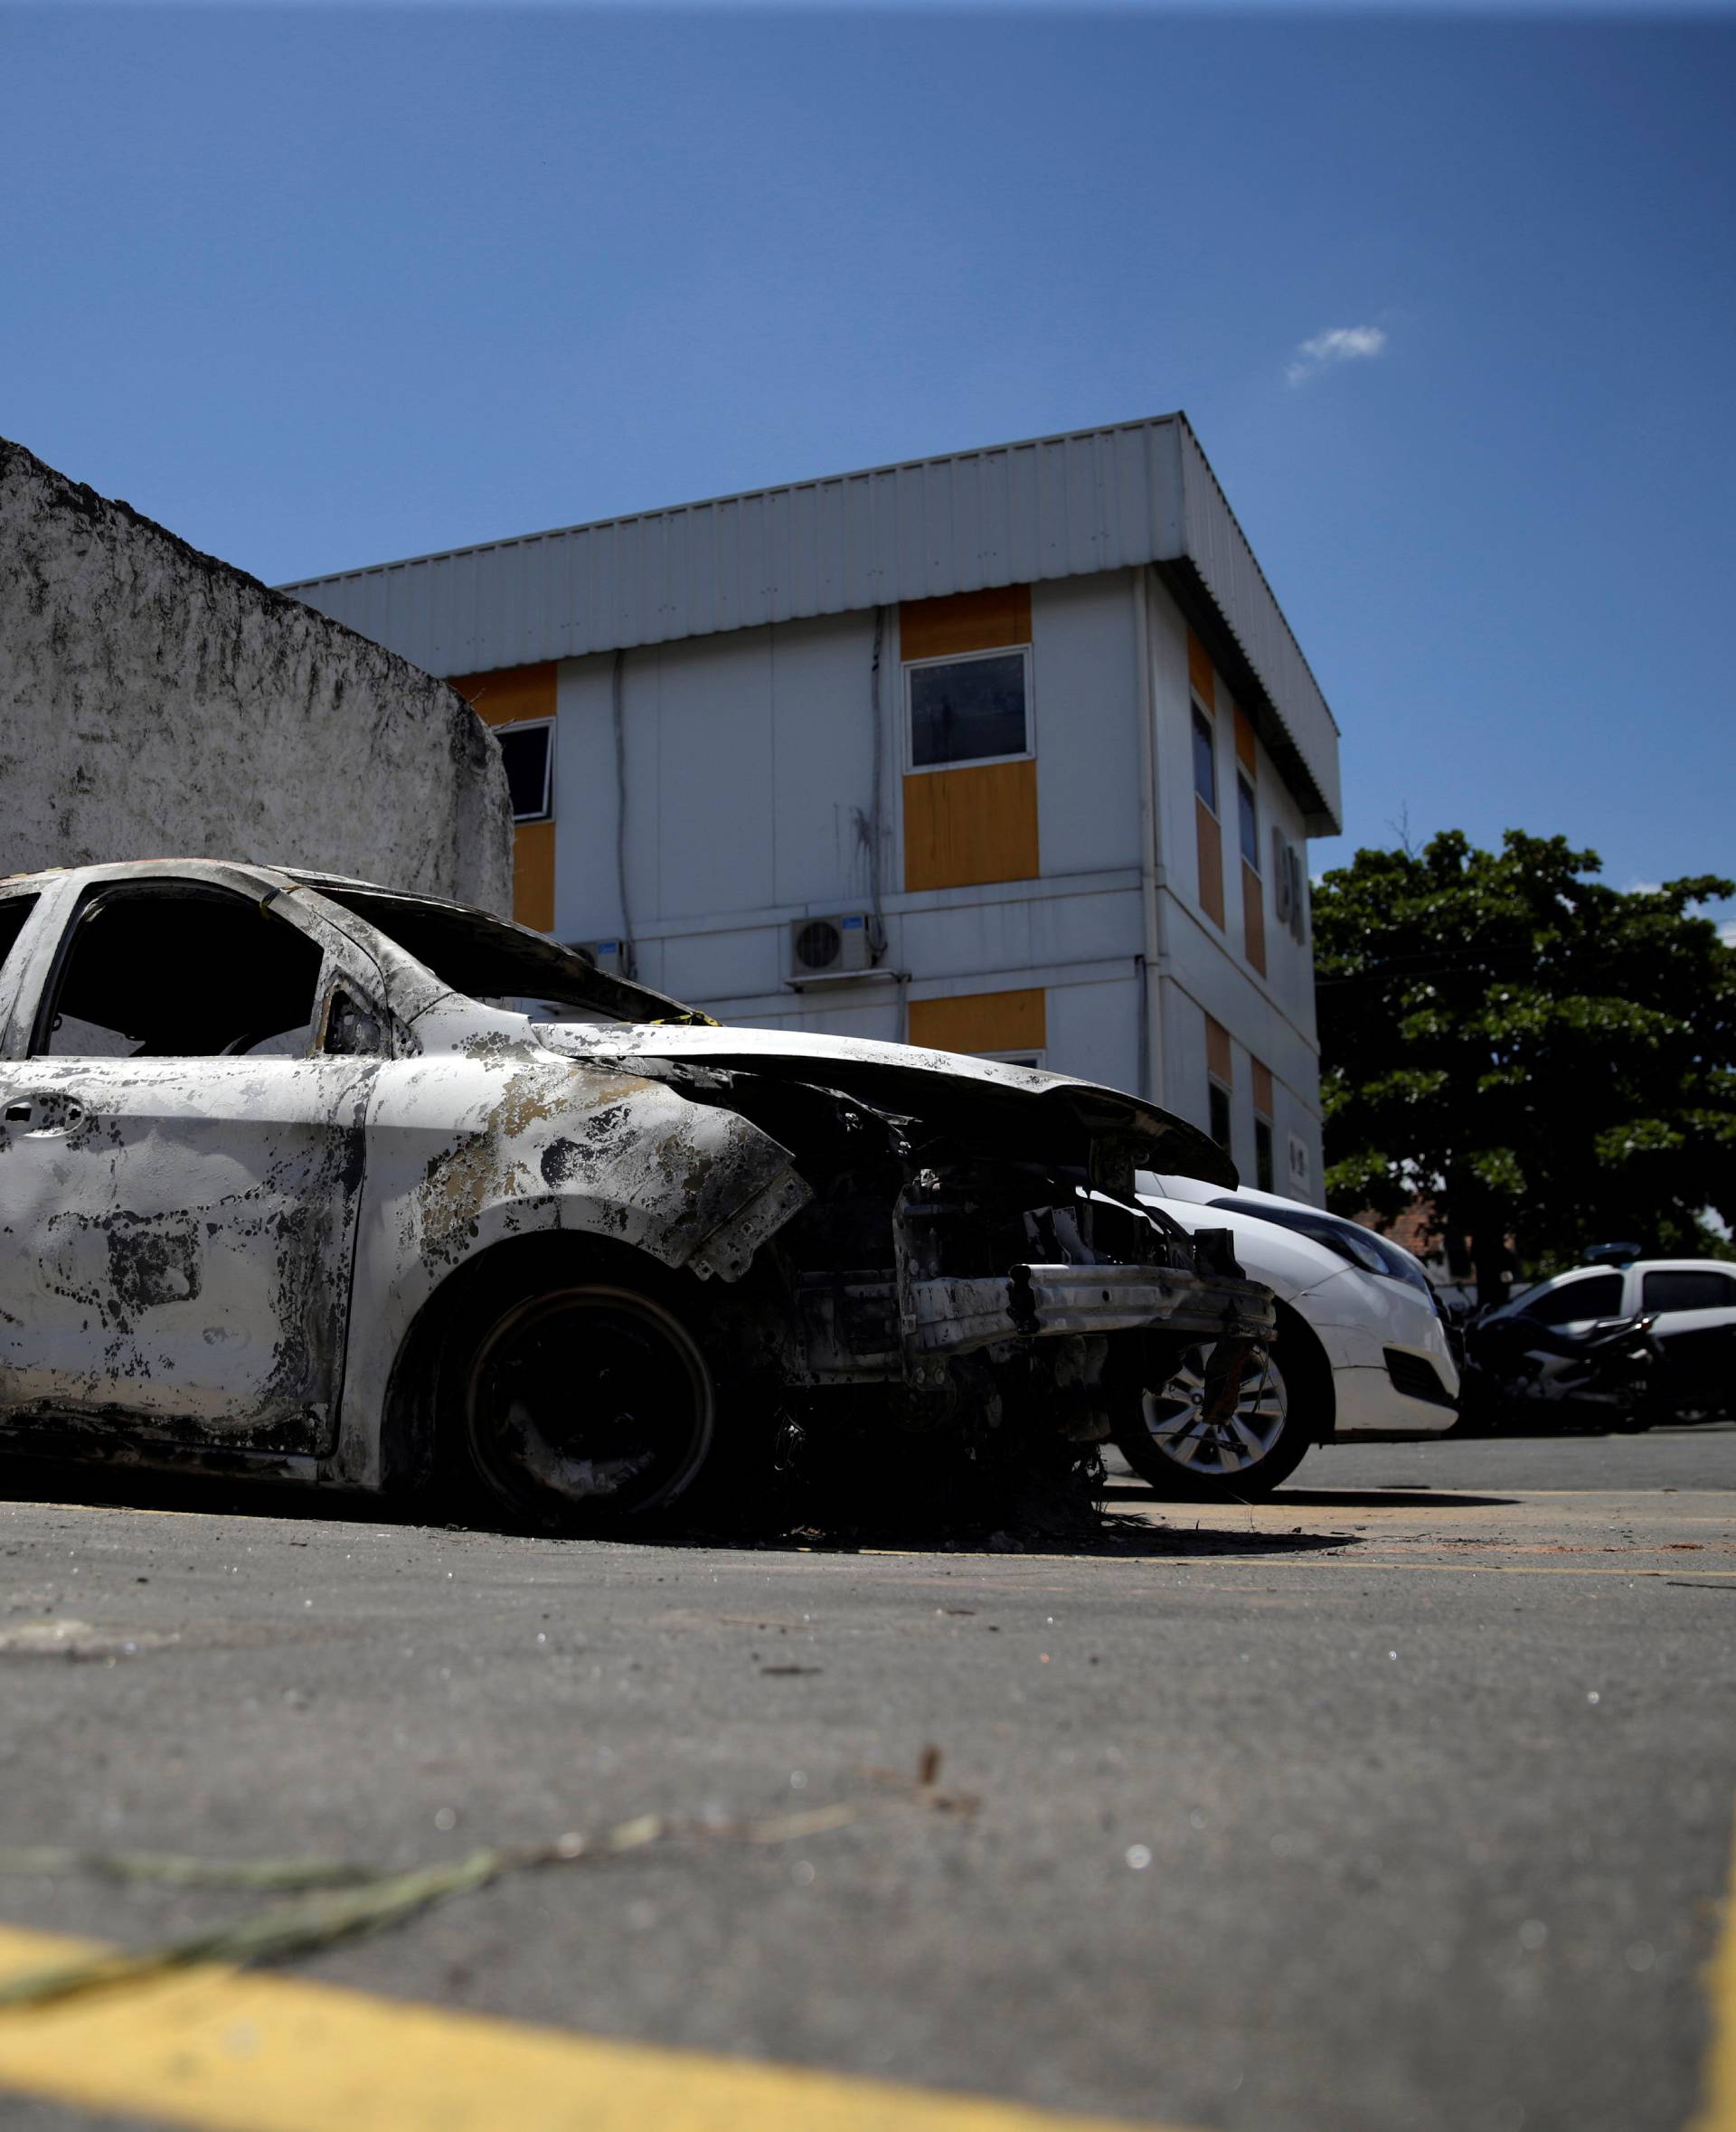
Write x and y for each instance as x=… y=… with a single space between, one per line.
x=1690 y=1301
x=306 y=1178
x=1361 y=1349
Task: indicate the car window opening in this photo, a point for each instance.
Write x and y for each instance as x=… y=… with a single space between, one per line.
x=491 y=961
x=14 y=912
x=1597 y=1296
x=197 y=974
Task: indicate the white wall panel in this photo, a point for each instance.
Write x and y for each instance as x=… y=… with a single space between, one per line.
x=1085 y=688
x=822 y=769
x=714 y=826
x=586 y=898
x=959 y=941
x=1086 y=928
x=1094 y=1031
x=724 y=966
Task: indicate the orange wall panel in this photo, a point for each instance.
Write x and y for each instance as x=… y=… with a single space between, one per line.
x=1210 y=838
x=1199 y=672
x=1262 y=1088
x=1245 y=741
x=510 y=694
x=982 y=1022
x=964 y=622
x=977 y=823
x=1253 y=919
x=1217 y=1051
x=534 y=876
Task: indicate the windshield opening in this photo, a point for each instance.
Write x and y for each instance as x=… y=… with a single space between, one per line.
x=486 y=959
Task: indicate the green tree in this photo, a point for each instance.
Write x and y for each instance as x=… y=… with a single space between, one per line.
x=1548 y=1059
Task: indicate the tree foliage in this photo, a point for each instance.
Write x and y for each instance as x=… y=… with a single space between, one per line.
x=1548 y=1058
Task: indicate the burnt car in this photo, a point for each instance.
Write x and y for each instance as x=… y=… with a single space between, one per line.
x=309 y=1178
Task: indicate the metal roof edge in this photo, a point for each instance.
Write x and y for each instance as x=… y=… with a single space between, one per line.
x=744 y=495
x=1259 y=572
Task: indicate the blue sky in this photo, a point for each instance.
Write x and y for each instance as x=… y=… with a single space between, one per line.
x=319 y=287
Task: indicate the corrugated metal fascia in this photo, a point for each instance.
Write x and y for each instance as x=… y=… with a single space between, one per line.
x=1224 y=562
x=863 y=473
x=1049 y=507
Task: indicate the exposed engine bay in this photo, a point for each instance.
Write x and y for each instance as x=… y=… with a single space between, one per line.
x=972 y=1260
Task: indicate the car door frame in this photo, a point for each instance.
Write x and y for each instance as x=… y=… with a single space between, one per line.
x=34 y=970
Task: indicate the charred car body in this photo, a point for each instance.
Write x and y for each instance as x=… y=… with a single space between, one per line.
x=304 y=1176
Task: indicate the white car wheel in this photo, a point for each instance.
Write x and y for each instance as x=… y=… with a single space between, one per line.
x=1261 y=1442
x=1176 y=1417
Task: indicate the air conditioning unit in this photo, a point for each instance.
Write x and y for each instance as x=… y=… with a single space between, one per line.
x=830 y=947
x=612 y=958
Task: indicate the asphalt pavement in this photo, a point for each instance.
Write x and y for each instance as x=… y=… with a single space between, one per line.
x=1403 y=1800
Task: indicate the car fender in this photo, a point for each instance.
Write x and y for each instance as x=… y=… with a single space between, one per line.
x=507 y=1140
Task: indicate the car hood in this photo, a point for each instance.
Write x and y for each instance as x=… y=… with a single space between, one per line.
x=899 y=1072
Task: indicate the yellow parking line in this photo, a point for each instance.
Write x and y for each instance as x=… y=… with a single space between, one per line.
x=1718 y=2105
x=235 y=2051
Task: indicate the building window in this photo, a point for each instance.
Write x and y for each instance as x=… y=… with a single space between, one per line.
x=1205 y=760
x=528 y=751
x=1265 y=1160
x=969 y=710
x=1248 y=817
x=1220 y=1079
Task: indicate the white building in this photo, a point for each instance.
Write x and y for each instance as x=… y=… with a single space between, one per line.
x=1010 y=752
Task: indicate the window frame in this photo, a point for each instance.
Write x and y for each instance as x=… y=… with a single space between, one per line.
x=1265 y=1157
x=1206 y=721
x=503 y=733
x=1576 y=1285
x=910 y=667
x=1214 y=1088
x=1650 y=1274
x=1248 y=824
x=170 y=888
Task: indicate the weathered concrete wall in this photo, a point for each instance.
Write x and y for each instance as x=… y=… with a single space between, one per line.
x=155 y=703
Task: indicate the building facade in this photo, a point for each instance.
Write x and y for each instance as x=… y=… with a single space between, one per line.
x=1010 y=752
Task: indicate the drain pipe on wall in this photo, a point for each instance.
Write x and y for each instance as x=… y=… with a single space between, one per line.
x=876 y=804
x=618 y=705
x=1153 y=963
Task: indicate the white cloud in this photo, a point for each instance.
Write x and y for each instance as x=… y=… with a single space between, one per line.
x=1727 y=932
x=1339 y=343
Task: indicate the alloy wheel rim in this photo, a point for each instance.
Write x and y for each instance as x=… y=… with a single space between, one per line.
x=1175 y=1419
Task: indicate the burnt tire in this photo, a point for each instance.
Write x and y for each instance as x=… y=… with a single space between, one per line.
x=588 y=1404
x=1283 y=1407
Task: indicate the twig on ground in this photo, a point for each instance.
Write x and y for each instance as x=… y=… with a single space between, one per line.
x=338 y=1902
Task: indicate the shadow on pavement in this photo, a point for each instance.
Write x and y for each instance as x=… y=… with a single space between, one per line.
x=131 y=1487
x=1117 y=1537
x=1334 y=1498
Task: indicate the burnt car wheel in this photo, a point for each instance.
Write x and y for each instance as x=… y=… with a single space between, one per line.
x=1179 y=1453
x=588 y=1406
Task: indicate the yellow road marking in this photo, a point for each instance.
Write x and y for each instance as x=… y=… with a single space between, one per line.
x=233 y=2050
x=1717 y=2104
